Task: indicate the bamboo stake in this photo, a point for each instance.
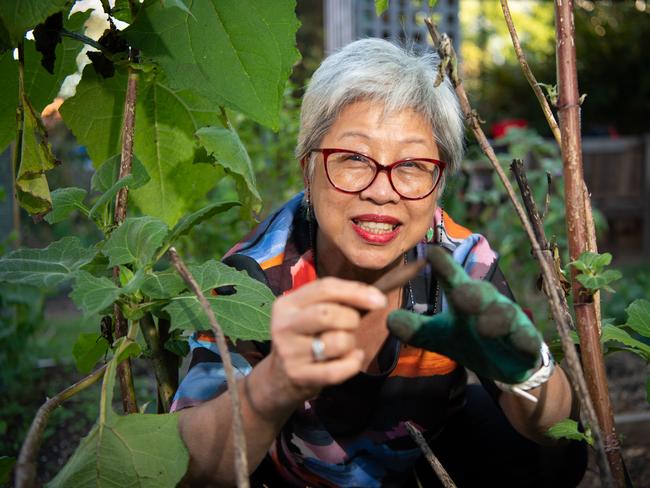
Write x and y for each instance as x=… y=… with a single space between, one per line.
x=435 y=463
x=577 y=209
x=552 y=287
x=124 y=373
x=241 y=459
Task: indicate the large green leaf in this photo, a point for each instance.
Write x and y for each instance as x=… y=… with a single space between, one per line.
x=166 y=284
x=166 y=121
x=40 y=86
x=19 y=16
x=244 y=315
x=109 y=171
x=613 y=333
x=187 y=223
x=92 y=294
x=568 y=429
x=46 y=267
x=87 y=350
x=226 y=147
x=139 y=450
x=64 y=202
x=135 y=241
x=638 y=316
x=237 y=53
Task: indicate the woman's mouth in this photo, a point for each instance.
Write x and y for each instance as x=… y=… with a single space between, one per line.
x=376 y=229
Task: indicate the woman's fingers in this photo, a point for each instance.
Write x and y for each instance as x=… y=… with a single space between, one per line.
x=330 y=372
x=334 y=290
x=326 y=316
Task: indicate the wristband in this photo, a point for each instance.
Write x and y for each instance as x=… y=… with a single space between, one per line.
x=538 y=378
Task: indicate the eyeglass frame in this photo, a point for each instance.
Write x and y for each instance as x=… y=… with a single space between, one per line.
x=326 y=152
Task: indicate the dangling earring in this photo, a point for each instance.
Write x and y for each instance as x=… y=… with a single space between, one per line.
x=307 y=205
x=430 y=234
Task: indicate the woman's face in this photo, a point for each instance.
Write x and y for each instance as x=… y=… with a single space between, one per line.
x=373 y=228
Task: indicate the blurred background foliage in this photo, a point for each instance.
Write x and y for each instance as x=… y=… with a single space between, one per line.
x=611 y=39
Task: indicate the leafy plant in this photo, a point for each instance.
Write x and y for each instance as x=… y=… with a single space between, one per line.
x=593 y=275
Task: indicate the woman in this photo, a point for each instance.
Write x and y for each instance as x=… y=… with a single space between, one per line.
x=324 y=404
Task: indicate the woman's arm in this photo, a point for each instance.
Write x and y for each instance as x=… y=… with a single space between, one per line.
x=532 y=420
x=326 y=308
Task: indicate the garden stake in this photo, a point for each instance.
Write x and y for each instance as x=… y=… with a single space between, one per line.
x=241 y=459
x=552 y=287
x=577 y=209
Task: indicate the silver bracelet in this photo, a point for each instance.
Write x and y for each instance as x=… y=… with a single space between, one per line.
x=538 y=378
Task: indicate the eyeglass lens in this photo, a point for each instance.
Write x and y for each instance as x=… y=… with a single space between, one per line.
x=350 y=171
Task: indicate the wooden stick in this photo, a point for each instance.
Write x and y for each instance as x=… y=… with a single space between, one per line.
x=400 y=276
x=552 y=288
x=435 y=463
x=241 y=459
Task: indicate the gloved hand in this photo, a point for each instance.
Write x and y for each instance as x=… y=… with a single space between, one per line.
x=483 y=330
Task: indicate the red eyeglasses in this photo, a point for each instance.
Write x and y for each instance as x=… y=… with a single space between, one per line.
x=352 y=172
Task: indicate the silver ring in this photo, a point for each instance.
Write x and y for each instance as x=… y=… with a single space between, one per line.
x=318 y=349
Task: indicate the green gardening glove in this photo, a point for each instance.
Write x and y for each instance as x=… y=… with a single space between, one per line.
x=483 y=330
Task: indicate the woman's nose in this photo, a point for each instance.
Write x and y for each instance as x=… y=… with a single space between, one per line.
x=381 y=190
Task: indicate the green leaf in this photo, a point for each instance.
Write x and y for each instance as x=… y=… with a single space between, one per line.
x=237 y=53
x=180 y=347
x=19 y=16
x=242 y=315
x=166 y=121
x=108 y=172
x=600 y=281
x=47 y=267
x=187 y=223
x=108 y=195
x=592 y=262
x=381 y=6
x=36 y=158
x=613 y=333
x=131 y=350
x=568 y=429
x=64 y=202
x=135 y=241
x=40 y=86
x=165 y=284
x=141 y=450
x=87 y=350
x=6 y=465
x=178 y=4
x=92 y=294
x=226 y=147
x=638 y=316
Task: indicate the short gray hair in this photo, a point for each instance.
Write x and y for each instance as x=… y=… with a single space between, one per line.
x=377 y=70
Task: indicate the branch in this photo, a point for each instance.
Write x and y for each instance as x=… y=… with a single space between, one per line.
x=26 y=464
x=125 y=374
x=241 y=460
x=552 y=288
x=437 y=466
x=86 y=40
x=543 y=102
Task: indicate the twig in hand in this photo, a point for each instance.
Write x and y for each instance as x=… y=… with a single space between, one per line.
x=552 y=288
x=400 y=276
x=26 y=465
x=548 y=113
x=438 y=468
x=241 y=460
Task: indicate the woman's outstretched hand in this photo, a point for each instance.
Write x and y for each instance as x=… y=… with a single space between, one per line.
x=482 y=330
x=313 y=336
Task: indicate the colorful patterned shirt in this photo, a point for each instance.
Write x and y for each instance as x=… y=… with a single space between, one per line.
x=352 y=434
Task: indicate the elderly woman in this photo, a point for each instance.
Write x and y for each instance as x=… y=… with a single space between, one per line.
x=325 y=402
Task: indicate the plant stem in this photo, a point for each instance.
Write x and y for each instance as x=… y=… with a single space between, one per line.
x=85 y=39
x=577 y=208
x=548 y=113
x=435 y=463
x=166 y=387
x=241 y=460
x=125 y=374
x=18 y=146
x=552 y=288
x=26 y=465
